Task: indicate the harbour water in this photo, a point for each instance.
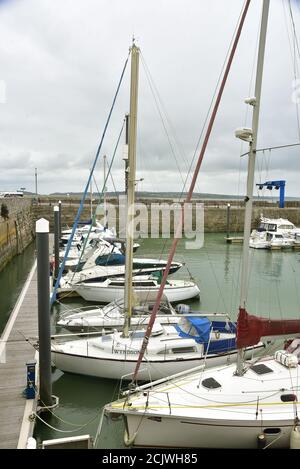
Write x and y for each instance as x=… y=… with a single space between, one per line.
x=273 y=291
x=12 y=279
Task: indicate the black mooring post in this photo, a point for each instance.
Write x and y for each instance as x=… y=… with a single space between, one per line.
x=43 y=271
x=56 y=242
x=228 y=220
x=59 y=206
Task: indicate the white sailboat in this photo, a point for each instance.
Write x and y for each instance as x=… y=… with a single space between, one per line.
x=251 y=405
x=111 y=316
x=169 y=350
x=113 y=288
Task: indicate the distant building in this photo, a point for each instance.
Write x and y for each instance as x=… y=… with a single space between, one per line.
x=11 y=194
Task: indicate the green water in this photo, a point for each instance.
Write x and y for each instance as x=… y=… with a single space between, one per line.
x=12 y=279
x=273 y=291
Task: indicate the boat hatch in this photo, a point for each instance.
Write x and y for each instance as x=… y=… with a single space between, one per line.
x=211 y=383
x=288 y=397
x=261 y=369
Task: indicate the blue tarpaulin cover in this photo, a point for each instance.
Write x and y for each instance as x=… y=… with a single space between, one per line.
x=202 y=326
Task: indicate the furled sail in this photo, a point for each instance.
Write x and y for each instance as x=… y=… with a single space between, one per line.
x=250 y=328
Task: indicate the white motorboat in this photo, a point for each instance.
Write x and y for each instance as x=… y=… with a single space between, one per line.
x=271 y=240
x=274 y=233
x=98 y=231
x=79 y=255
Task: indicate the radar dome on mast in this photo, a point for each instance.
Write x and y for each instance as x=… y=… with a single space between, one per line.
x=244 y=133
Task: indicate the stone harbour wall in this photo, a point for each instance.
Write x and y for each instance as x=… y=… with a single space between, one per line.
x=16 y=231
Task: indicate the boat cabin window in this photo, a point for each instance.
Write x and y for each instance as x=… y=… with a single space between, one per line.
x=93 y=279
x=211 y=383
x=144 y=284
x=272 y=227
x=269 y=236
x=261 y=369
x=110 y=259
x=117 y=284
x=263 y=227
x=286 y=227
x=278 y=236
x=184 y=350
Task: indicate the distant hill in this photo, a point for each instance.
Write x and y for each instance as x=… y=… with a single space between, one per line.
x=173 y=195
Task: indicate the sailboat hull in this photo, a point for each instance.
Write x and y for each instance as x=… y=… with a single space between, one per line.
x=151 y=431
x=151 y=369
x=107 y=293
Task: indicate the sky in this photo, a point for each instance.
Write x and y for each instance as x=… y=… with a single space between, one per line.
x=61 y=61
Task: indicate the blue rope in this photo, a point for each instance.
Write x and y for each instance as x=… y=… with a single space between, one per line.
x=53 y=297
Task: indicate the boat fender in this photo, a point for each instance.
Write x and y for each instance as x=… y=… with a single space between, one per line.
x=31 y=443
x=285 y=358
x=261 y=441
x=182 y=309
x=295 y=438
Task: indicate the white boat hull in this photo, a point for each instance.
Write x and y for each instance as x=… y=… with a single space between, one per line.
x=153 y=369
x=107 y=294
x=204 y=433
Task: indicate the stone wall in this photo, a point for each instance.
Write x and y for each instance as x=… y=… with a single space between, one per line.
x=215 y=214
x=17 y=231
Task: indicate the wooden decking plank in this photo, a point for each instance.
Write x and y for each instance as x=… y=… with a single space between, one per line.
x=13 y=372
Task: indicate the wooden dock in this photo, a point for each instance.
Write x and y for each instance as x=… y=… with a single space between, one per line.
x=15 y=351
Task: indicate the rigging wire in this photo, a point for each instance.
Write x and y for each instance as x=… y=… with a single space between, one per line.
x=192 y=186
x=100 y=198
x=87 y=185
x=295 y=49
x=207 y=116
x=158 y=101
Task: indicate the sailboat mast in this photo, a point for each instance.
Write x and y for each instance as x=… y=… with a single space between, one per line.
x=135 y=53
x=192 y=186
x=104 y=195
x=251 y=167
x=91 y=197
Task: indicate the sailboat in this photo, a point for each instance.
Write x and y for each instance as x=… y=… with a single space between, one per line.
x=253 y=404
x=169 y=350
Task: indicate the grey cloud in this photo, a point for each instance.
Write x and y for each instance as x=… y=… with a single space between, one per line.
x=61 y=62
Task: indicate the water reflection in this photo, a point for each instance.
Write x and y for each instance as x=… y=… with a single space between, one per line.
x=273 y=291
x=12 y=279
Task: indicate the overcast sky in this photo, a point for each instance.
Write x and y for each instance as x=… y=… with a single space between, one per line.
x=61 y=61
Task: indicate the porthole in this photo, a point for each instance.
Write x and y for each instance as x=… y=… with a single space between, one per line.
x=272 y=431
